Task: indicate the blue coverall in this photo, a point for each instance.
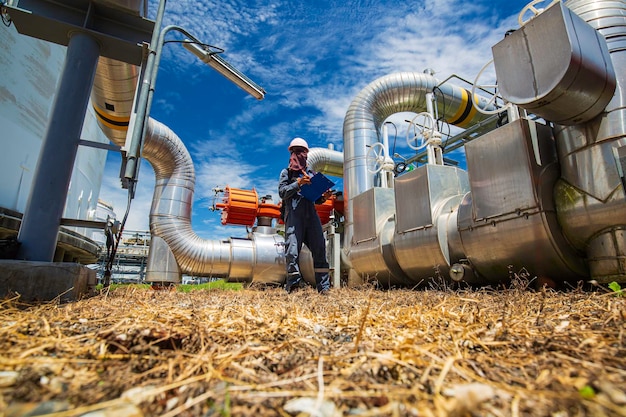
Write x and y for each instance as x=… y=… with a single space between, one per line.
x=302 y=225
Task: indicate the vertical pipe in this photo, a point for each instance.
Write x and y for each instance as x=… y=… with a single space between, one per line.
x=335 y=256
x=46 y=202
x=383 y=173
x=430 y=148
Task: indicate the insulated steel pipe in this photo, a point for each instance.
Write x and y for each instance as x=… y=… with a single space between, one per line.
x=176 y=249
x=400 y=92
x=112 y=97
x=258 y=257
x=326 y=161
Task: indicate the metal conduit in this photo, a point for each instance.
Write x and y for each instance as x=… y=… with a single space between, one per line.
x=170 y=216
x=383 y=97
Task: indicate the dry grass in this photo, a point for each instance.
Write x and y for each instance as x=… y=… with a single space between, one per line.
x=359 y=352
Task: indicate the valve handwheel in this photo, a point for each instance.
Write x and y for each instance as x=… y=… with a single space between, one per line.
x=530 y=7
x=420 y=131
x=486 y=106
x=375 y=158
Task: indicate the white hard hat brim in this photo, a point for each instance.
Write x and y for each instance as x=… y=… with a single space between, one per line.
x=298 y=142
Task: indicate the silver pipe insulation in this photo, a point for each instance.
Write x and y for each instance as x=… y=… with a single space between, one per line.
x=326 y=161
x=400 y=92
x=258 y=257
x=589 y=196
x=170 y=215
x=112 y=97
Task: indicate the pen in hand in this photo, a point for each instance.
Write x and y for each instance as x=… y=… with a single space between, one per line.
x=304 y=179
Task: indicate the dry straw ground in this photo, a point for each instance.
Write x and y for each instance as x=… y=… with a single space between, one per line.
x=362 y=352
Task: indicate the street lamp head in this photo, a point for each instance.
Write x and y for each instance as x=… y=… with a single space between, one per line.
x=218 y=63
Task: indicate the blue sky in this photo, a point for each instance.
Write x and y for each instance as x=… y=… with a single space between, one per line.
x=312 y=58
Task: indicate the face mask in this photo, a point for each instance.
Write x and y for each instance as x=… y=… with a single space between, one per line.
x=297 y=160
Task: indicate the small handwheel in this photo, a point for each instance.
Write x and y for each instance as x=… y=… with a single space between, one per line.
x=420 y=131
x=486 y=106
x=375 y=158
x=399 y=168
x=530 y=7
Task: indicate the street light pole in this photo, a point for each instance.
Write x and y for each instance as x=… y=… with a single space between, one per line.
x=143 y=102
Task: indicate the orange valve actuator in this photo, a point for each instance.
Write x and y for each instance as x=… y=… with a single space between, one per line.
x=269 y=210
x=239 y=206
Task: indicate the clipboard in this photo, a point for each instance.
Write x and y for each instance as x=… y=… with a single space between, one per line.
x=319 y=185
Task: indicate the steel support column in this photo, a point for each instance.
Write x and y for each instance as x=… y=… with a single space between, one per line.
x=42 y=216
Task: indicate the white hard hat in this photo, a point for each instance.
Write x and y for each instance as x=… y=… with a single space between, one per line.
x=298 y=142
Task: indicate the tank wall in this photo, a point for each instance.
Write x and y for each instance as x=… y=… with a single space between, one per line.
x=30 y=71
x=82 y=197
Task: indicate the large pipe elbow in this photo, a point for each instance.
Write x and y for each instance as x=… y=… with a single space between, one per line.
x=400 y=92
x=170 y=214
x=326 y=161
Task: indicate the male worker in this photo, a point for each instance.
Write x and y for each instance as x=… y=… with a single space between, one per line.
x=302 y=224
